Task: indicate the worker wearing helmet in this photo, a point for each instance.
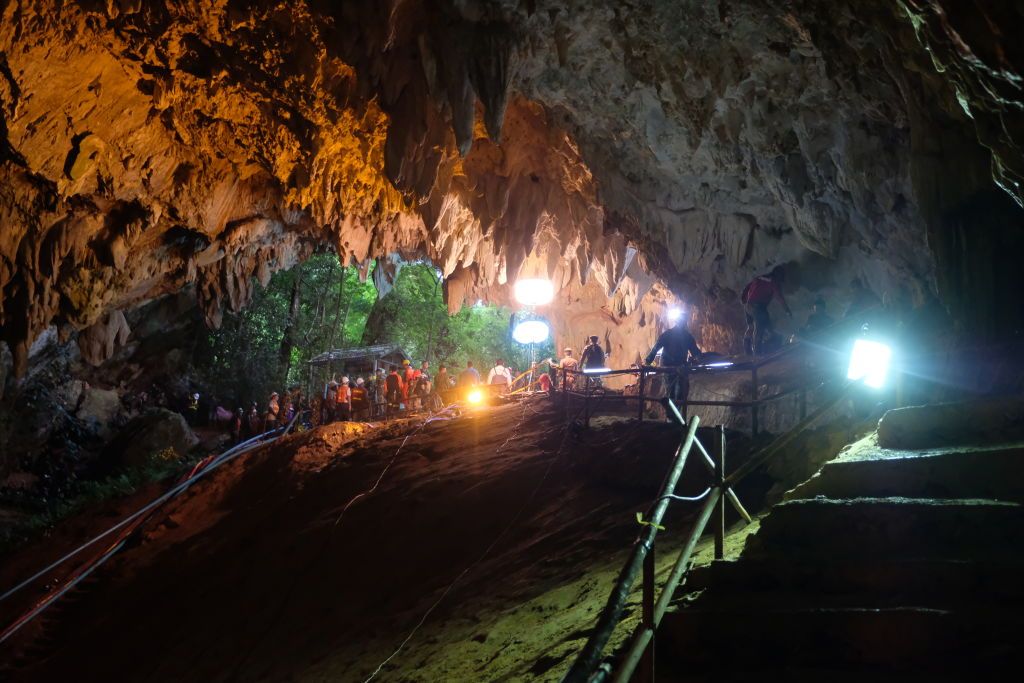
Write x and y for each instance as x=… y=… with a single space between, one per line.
x=568 y=364
x=344 y=411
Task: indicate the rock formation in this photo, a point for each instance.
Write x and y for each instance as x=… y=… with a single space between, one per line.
x=634 y=152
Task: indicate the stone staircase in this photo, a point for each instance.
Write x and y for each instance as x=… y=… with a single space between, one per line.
x=886 y=565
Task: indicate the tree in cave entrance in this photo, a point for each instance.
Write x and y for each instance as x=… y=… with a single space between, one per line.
x=414 y=315
x=300 y=313
x=320 y=305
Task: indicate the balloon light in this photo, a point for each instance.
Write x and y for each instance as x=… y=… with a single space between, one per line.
x=534 y=291
x=531 y=332
x=869 y=361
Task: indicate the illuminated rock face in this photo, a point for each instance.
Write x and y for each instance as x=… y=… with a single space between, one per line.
x=643 y=149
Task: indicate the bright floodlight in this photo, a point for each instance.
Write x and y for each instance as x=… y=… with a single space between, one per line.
x=530 y=332
x=534 y=291
x=869 y=362
x=596 y=371
x=475 y=397
x=674 y=314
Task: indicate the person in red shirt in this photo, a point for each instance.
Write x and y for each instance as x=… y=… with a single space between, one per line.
x=756 y=296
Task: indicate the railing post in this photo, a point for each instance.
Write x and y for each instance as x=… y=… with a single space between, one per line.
x=685 y=380
x=647 y=663
x=565 y=392
x=640 y=395
x=754 y=391
x=719 y=518
x=586 y=400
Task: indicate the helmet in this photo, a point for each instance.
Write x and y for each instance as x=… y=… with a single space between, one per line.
x=195 y=397
x=359 y=382
x=344 y=380
x=567 y=349
x=406 y=362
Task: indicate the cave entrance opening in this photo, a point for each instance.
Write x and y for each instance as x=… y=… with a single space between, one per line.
x=320 y=306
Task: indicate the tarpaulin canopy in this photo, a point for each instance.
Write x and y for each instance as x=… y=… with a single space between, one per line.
x=388 y=353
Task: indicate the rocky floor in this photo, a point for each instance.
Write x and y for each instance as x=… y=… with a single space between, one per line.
x=888 y=564
x=483 y=551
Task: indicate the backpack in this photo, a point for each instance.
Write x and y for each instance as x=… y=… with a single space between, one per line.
x=746 y=292
x=593 y=356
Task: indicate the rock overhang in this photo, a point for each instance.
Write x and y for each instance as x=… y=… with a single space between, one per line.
x=631 y=153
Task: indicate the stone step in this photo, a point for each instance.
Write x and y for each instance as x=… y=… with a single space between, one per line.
x=790 y=672
x=990 y=474
x=890 y=528
x=887 y=640
x=869 y=582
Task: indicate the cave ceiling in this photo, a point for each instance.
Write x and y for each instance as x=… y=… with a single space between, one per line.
x=630 y=150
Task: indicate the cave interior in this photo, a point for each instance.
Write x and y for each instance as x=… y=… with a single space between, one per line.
x=160 y=161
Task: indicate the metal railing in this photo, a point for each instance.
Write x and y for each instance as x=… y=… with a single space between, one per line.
x=593 y=397
x=588 y=666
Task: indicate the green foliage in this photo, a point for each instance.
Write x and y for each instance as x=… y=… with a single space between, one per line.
x=158 y=468
x=241 y=362
x=414 y=315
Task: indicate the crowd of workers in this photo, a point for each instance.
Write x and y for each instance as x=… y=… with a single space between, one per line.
x=403 y=389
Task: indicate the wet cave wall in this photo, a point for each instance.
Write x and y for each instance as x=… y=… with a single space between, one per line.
x=639 y=153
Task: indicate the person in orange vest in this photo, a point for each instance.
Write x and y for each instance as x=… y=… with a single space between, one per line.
x=409 y=377
x=344 y=412
x=395 y=390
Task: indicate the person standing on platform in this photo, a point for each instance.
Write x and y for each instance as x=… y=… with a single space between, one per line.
x=678 y=348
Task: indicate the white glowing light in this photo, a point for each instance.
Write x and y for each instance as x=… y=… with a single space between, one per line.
x=596 y=371
x=723 y=364
x=475 y=397
x=869 y=361
x=534 y=291
x=674 y=314
x=531 y=332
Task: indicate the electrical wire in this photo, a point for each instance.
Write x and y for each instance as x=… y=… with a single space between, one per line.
x=451 y=586
x=129 y=525
x=687 y=499
x=433 y=418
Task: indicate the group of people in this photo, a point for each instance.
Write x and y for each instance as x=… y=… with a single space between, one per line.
x=245 y=424
x=404 y=388
x=384 y=393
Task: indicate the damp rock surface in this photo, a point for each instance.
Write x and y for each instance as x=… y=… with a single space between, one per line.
x=624 y=150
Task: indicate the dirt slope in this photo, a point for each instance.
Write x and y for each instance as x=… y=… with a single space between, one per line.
x=250 y=578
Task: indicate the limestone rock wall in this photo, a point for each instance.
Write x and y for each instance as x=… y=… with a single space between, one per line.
x=634 y=152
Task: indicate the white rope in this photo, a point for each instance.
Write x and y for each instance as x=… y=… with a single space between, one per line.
x=486 y=552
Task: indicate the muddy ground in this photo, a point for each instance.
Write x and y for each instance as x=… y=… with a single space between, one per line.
x=484 y=553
